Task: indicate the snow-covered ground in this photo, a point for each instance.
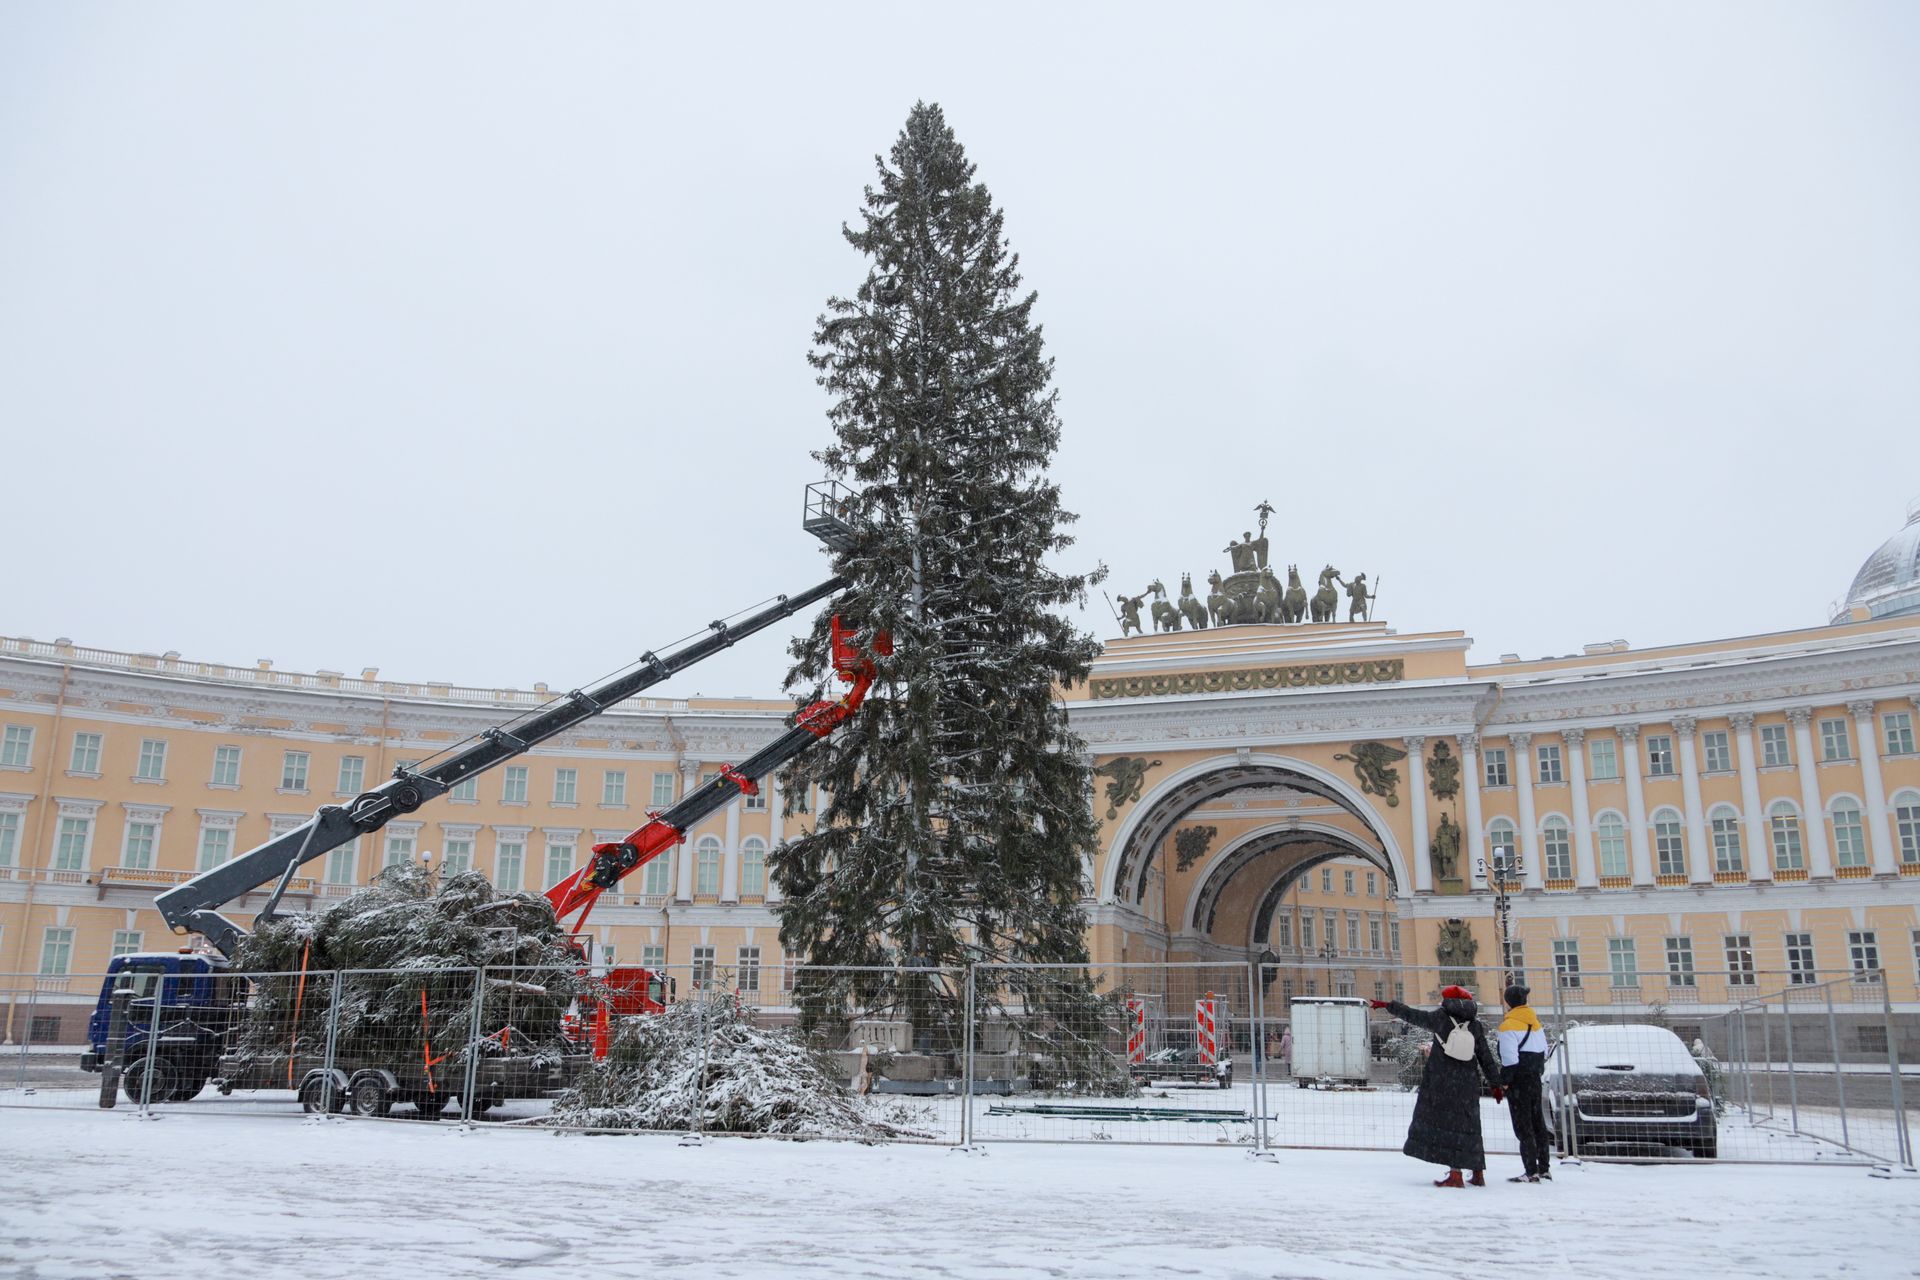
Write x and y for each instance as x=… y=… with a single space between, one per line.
x=92 y=1194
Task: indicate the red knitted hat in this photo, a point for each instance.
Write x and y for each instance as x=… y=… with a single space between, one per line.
x=1455 y=993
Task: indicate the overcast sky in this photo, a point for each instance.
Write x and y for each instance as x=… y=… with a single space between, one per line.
x=468 y=341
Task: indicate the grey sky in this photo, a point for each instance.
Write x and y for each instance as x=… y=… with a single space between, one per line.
x=468 y=341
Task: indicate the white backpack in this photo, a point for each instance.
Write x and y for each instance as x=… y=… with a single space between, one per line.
x=1458 y=1043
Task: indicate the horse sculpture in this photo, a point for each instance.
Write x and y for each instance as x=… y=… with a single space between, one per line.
x=1267 y=601
x=1217 y=602
x=1165 y=616
x=1293 y=606
x=1194 y=611
x=1325 y=601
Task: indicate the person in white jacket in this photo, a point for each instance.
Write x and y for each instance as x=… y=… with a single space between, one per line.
x=1523 y=1063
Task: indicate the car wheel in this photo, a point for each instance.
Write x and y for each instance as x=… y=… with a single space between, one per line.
x=367 y=1096
x=159 y=1086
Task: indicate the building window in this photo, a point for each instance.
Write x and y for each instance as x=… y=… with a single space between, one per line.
x=1739 y=947
x=507 y=862
x=1605 y=758
x=1496 y=763
x=1353 y=932
x=1566 y=962
x=513 y=785
x=559 y=862
x=1393 y=936
x=613 y=788
x=1800 y=970
x=1717 y=750
x=749 y=966
x=1773 y=745
x=1849 y=836
x=293 y=771
x=706 y=857
x=56 y=952
x=399 y=849
x=137 y=854
x=566 y=786
x=1623 y=963
x=662 y=790
x=353 y=775
x=466 y=791
x=226 y=767
x=653 y=956
x=1326 y=879
x=1557 y=844
x=73 y=843
x=1346 y=878
x=1906 y=822
x=1725 y=822
x=1898 y=726
x=86 y=754
x=1863 y=950
x=1283 y=932
x=654 y=882
x=702 y=966
x=1499 y=836
x=1659 y=756
x=1516 y=956
x=343 y=864
x=1784 y=821
x=1669 y=843
x=753 y=866
x=16 y=747
x=1306 y=930
x=757 y=798
x=1834 y=742
x=1549 y=757
x=1612 y=831
x=1327 y=930
x=153 y=761
x=126 y=942
x=1680 y=962
x=456 y=855
x=216 y=846
x=1373 y=933
x=1373 y=883
x=9 y=839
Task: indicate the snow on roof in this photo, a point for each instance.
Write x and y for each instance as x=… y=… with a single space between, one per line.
x=1621 y=1049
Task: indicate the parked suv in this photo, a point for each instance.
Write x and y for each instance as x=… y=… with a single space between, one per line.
x=1629 y=1089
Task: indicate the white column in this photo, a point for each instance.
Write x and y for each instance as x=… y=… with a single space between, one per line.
x=1686 y=732
x=776 y=825
x=1636 y=804
x=1757 y=848
x=1813 y=818
x=683 y=871
x=1476 y=849
x=1530 y=875
x=1878 y=839
x=1420 y=855
x=1585 y=874
x=730 y=856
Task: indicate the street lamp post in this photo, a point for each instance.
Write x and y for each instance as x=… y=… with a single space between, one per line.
x=1328 y=953
x=1505 y=865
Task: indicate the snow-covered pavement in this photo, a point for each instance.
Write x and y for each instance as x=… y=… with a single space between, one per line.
x=102 y=1194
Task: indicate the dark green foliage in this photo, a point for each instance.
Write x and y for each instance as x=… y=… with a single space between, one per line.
x=959 y=809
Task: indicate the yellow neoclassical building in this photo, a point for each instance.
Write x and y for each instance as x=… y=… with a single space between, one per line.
x=1323 y=792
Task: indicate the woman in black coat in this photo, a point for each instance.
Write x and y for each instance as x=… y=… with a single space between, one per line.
x=1446 y=1118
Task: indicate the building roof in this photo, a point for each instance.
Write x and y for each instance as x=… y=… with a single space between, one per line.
x=1888 y=584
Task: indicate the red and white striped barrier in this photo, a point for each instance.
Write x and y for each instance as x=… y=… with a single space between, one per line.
x=1204 y=1029
x=1136 y=1030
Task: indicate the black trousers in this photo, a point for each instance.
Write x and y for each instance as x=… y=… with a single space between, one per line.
x=1529 y=1121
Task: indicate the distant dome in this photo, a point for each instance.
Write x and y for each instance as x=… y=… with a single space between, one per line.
x=1888 y=584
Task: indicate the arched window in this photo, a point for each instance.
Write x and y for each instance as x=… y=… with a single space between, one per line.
x=1849 y=834
x=1500 y=835
x=753 y=866
x=1725 y=821
x=1612 y=832
x=1906 y=820
x=1556 y=841
x=1669 y=843
x=706 y=876
x=1784 y=822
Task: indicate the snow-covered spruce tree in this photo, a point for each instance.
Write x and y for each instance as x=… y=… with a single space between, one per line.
x=958 y=811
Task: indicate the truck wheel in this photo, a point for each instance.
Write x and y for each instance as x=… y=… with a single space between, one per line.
x=430 y=1110
x=165 y=1080
x=367 y=1096
x=315 y=1092
x=189 y=1088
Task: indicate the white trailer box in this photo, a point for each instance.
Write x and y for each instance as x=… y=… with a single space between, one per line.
x=1329 y=1039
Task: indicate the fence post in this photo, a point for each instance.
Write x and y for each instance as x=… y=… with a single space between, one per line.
x=153 y=1045
x=1766 y=1047
x=1904 y=1139
x=113 y=1059
x=1839 y=1076
x=1746 y=1060
x=1564 y=1111
x=694 y=1139
x=327 y=1058
x=966 y=1068
x=469 y=1108
x=1257 y=1045
x=1793 y=1081
x=26 y=1035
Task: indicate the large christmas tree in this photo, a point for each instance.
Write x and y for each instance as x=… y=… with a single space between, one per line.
x=958 y=808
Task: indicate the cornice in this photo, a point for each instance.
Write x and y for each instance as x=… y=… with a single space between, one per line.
x=1643 y=900
x=1433 y=709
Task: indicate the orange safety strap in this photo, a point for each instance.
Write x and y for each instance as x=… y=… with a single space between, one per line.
x=299 y=996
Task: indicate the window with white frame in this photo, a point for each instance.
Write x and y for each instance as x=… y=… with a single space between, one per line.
x=753 y=866
x=293 y=771
x=702 y=966
x=1326 y=879
x=1500 y=835
x=226 y=767
x=1611 y=835
x=1556 y=843
x=456 y=855
x=756 y=800
x=1346 y=880
x=1328 y=925
x=137 y=849
x=1863 y=952
x=1496 y=766
x=74 y=842
x=1835 y=743
x=1669 y=843
x=513 y=784
x=1623 y=962
x=653 y=956
x=9 y=839
x=1898 y=727
x=1680 y=962
x=1724 y=820
x=153 y=760
x=1849 y=833
x=16 y=747
x=1516 y=953
x=1739 y=952
x=748 y=977
x=1548 y=756
x=1393 y=936
x=706 y=871
x=1373 y=883
x=85 y=757
x=466 y=791
x=1717 y=751
x=655 y=878
x=1906 y=824
x=1800 y=969
x=353 y=775
x=1566 y=962
x=509 y=855
x=1783 y=820
x=613 y=788
x=559 y=861
x=1306 y=930
x=1604 y=757
x=1373 y=933
x=789 y=971
x=1353 y=931
x=1659 y=756
x=56 y=952
x=1283 y=931
x=1774 y=749
x=566 y=786
x=126 y=942
x=399 y=848
x=662 y=790
x=343 y=864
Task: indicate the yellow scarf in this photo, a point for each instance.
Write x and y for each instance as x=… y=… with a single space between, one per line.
x=1521 y=1018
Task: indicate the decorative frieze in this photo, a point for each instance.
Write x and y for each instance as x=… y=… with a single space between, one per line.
x=1307 y=675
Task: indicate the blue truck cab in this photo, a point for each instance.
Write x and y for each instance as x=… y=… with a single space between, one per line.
x=196 y=1007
